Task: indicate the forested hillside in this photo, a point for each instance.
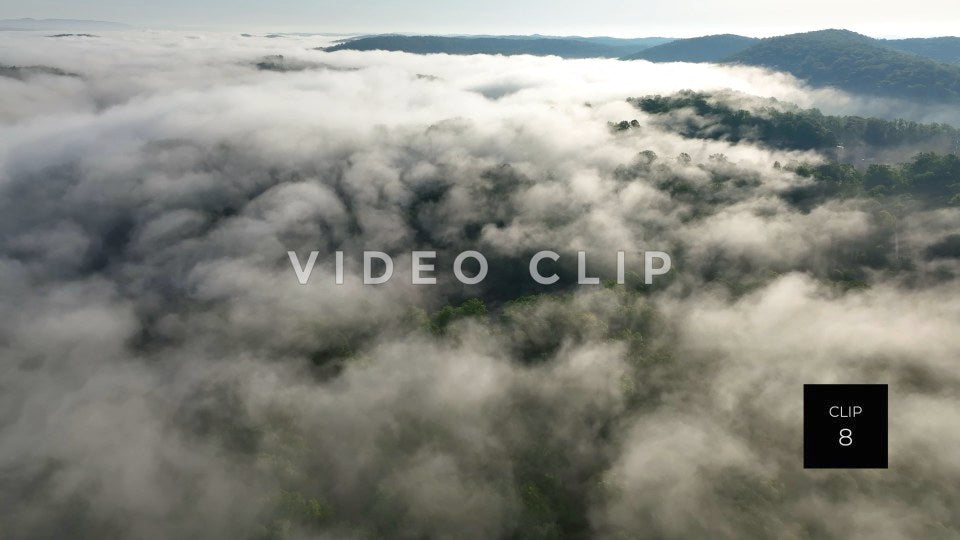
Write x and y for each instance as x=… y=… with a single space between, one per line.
x=792 y=128
x=565 y=48
x=855 y=63
x=942 y=49
x=931 y=175
x=699 y=49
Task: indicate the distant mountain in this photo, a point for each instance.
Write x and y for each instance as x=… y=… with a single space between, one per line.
x=700 y=49
x=59 y=24
x=855 y=63
x=632 y=44
x=942 y=49
x=628 y=43
x=910 y=69
x=537 y=46
x=716 y=48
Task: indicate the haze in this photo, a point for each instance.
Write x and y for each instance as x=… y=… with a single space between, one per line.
x=681 y=18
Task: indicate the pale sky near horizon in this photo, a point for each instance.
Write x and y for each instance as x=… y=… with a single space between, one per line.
x=622 y=18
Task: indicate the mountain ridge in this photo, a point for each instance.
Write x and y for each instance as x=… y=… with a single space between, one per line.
x=912 y=69
x=855 y=63
x=712 y=48
x=563 y=47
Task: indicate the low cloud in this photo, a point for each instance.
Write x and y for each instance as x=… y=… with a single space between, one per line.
x=166 y=376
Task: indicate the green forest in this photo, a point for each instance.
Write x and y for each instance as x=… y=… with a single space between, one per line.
x=855 y=63
x=915 y=69
x=785 y=127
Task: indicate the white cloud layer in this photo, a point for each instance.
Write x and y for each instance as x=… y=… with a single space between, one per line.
x=164 y=375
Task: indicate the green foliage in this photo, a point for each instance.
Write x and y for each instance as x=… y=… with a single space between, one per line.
x=933 y=179
x=855 y=63
x=563 y=47
x=941 y=49
x=307 y=510
x=440 y=320
x=794 y=130
x=914 y=69
x=881 y=175
x=623 y=125
x=932 y=175
x=699 y=49
x=292 y=510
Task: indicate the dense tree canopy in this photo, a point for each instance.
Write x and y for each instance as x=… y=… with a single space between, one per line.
x=563 y=47
x=699 y=49
x=855 y=63
x=795 y=128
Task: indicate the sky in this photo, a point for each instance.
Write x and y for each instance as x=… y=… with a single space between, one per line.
x=621 y=18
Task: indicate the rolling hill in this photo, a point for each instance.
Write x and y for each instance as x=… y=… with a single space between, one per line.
x=855 y=63
x=941 y=49
x=699 y=49
x=909 y=69
x=629 y=44
x=537 y=46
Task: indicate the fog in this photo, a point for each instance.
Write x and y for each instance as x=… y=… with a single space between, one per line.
x=166 y=376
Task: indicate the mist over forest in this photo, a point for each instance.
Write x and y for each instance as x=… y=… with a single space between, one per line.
x=166 y=376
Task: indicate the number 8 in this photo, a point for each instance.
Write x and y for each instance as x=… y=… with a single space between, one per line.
x=848 y=436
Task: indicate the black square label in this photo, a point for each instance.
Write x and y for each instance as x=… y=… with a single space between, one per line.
x=845 y=426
